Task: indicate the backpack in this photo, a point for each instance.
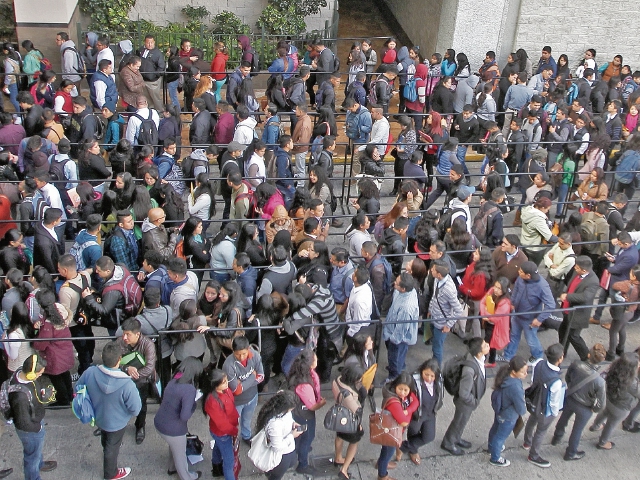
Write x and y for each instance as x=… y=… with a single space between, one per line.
x=319 y=97
x=6 y=389
x=130 y=290
x=572 y=93
x=249 y=195
x=100 y=127
x=179 y=250
x=82 y=406
x=410 y=91
x=81 y=317
x=627 y=89
x=480 y=227
x=588 y=229
x=77 y=250
x=444 y=224
x=537 y=396
x=372 y=98
x=175 y=177
x=106 y=245
x=81 y=69
x=387 y=285
x=336 y=62
x=452 y=371
x=148 y=132
x=316 y=150
x=255 y=60
x=56 y=172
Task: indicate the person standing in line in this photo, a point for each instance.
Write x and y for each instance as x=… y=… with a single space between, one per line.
x=152 y=70
x=115 y=400
x=177 y=407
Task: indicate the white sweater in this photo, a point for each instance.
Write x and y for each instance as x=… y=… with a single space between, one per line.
x=279 y=431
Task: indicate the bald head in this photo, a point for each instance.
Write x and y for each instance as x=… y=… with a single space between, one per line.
x=141 y=101
x=156 y=216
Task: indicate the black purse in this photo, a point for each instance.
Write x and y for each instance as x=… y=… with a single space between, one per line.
x=194 y=445
x=340 y=419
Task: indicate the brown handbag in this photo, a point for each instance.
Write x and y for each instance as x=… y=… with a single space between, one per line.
x=227 y=342
x=384 y=430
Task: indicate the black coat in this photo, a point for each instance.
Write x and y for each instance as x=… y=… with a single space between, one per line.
x=11 y=257
x=442 y=100
x=33 y=122
x=199 y=252
x=45 y=249
x=584 y=295
x=200 y=129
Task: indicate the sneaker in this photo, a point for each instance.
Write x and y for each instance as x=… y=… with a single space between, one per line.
x=532 y=360
x=525 y=446
x=48 y=466
x=122 y=473
x=501 y=359
x=309 y=470
x=501 y=462
x=490 y=365
x=539 y=461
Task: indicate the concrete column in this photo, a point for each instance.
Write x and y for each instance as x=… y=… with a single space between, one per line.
x=40 y=21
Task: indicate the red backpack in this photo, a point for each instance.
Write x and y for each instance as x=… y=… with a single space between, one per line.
x=250 y=196
x=130 y=290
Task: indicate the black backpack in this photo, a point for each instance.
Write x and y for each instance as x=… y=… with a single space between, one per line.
x=444 y=224
x=255 y=60
x=148 y=132
x=56 y=172
x=82 y=315
x=452 y=371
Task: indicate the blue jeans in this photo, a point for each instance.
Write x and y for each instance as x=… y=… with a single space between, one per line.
x=246 y=413
x=13 y=96
x=219 y=84
x=303 y=442
x=172 y=88
x=386 y=453
x=437 y=343
x=500 y=431
x=461 y=153
x=562 y=196
x=583 y=415
x=290 y=353
x=518 y=326
x=396 y=355
x=32 y=444
x=222 y=453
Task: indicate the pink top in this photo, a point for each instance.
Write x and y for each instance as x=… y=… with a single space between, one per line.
x=631 y=122
x=309 y=394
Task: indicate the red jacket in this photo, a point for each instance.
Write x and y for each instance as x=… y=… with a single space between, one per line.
x=500 y=337
x=222 y=421
x=219 y=64
x=394 y=406
x=474 y=285
x=58 y=354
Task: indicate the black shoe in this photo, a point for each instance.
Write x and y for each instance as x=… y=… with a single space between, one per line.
x=620 y=351
x=49 y=466
x=556 y=440
x=171 y=472
x=97 y=432
x=216 y=470
x=539 y=461
x=463 y=444
x=609 y=357
x=576 y=456
x=453 y=450
x=634 y=429
x=309 y=470
x=140 y=434
x=6 y=472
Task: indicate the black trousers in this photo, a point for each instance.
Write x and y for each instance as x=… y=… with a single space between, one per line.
x=64 y=388
x=572 y=336
x=111 y=442
x=141 y=419
x=85 y=348
x=419 y=434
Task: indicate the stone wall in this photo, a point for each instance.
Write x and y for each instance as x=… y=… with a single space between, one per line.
x=164 y=11
x=418 y=19
x=598 y=24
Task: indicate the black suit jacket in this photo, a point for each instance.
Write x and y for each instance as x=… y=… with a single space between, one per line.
x=584 y=295
x=45 y=249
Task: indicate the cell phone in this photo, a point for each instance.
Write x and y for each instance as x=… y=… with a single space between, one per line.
x=301 y=428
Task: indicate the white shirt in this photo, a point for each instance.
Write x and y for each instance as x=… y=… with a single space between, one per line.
x=556 y=390
x=107 y=54
x=133 y=126
x=359 y=308
x=379 y=135
x=51 y=231
x=481 y=363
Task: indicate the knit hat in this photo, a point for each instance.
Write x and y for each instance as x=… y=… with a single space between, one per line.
x=126 y=46
x=64 y=146
x=236 y=146
x=530 y=268
x=110 y=105
x=465 y=191
x=458 y=169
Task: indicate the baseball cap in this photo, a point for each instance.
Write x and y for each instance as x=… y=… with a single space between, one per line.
x=236 y=146
x=465 y=191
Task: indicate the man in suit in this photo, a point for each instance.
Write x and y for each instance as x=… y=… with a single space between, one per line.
x=473 y=384
x=583 y=288
x=508 y=258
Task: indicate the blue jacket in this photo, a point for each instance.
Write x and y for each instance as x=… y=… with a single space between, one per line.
x=446 y=159
x=278 y=67
x=358 y=125
x=248 y=281
x=271 y=132
x=404 y=307
x=158 y=279
x=91 y=254
x=629 y=164
x=114 y=396
x=532 y=296
x=235 y=79
x=403 y=61
x=625 y=261
x=283 y=166
x=164 y=163
x=111 y=95
x=112 y=134
x=512 y=400
x=359 y=93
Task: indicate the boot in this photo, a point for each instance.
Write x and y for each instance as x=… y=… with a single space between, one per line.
x=517 y=222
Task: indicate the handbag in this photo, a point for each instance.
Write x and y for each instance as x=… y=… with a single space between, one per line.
x=384 y=430
x=340 y=419
x=225 y=341
x=262 y=455
x=194 y=445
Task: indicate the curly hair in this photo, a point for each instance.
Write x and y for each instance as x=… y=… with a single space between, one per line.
x=621 y=375
x=300 y=372
x=279 y=404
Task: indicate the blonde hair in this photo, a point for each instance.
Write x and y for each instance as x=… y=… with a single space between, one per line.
x=204 y=85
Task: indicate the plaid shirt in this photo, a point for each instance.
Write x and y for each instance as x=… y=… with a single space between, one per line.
x=123 y=253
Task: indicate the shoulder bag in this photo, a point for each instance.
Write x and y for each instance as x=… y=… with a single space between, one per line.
x=384 y=430
x=340 y=419
x=261 y=454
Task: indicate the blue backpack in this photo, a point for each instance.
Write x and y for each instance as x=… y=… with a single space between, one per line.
x=410 y=91
x=572 y=93
x=82 y=406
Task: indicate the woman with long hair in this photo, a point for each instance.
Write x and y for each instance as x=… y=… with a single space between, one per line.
x=425 y=234
x=12 y=69
x=143 y=160
x=399 y=209
x=59 y=354
x=368 y=200
x=20 y=328
x=196 y=246
x=478 y=275
x=121 y=158
x=399 y=399
x=63 y=101
x=283 y=65
x=12 y=252
x=275 y=93
x=170 y=127
x=209 y=303
x=92 y=167
x=623 y=392
x=347 y=391
x=219 y=67
x=176 y=408
x=430 y=391
x=593 y=188
x=360 y=351
x=508 y=387
x=448 y=65
x=524 y=63
x=43 y=91
x=248 y=243
x=320 y=187
x=563 y=72
x=223 y=251
x=438 y=137
x=219 y=406
x=411 y=194
x=458 y=239
x=171 y=203
x=620 y=314
x=140 y=207
x=276 y=419
x=496 y=328
x=402 y=152
x=231 y=315
x=40 y=279
x=204 y=90
x=463 y=70
x=124 y=187
x=304 y=381
x=189 y=344
x=108 y=211
x=31 y=61
x=325 y=123
x=202 y=202
x=599 y=148
x=418 y=270
x=318 y=267
x=90 y=201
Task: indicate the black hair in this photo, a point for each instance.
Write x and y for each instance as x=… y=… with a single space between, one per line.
x=278 y=405
x=205 y=187
x=300 y=371
x=209 y=381
x=516 y=364
x=19 y=319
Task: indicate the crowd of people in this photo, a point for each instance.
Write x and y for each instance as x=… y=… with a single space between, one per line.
x=104 y=224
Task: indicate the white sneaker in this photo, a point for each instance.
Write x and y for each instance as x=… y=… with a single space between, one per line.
x=122 y=473
x=501 y=462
